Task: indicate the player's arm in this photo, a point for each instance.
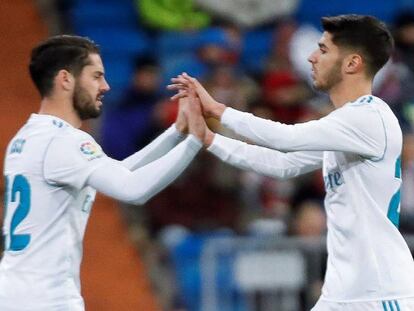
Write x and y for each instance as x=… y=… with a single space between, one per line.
x=78 y=162
x=352 y=128
x=263 y=160
x=175 y=134
x=144 y=182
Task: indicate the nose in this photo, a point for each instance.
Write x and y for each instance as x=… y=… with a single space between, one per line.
x=105 y=86
x=312 y=57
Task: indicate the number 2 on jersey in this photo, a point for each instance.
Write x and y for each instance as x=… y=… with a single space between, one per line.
x=21 y=186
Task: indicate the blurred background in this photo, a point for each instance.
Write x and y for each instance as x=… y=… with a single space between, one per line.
x=218 y=238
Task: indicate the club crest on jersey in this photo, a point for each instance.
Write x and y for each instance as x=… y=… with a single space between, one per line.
x=90 y=150
x=17 y=146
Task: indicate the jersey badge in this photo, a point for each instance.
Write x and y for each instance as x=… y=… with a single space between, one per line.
x=17 y=146
x=90 y=150
x=57 y=123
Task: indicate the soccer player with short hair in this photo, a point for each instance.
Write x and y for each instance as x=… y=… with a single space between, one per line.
x=358 y=147
x=53 y=170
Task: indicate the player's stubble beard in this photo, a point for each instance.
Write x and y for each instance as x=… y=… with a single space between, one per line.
x=84 y=104
x=333 y=77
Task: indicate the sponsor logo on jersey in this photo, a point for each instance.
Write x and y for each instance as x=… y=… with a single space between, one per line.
x=90 y=150
x=333 y=180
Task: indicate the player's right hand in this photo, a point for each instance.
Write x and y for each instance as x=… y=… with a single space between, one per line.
x=196 y=123
x=210 y=107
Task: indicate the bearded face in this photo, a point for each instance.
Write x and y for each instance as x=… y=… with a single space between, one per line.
x=89 y=89
x=86 y=106
x=326 y=63
x=330 y=77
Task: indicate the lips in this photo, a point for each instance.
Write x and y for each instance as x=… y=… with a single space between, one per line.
x=313 y=73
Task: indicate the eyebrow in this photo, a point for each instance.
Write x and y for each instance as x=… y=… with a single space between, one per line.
x=323 y=45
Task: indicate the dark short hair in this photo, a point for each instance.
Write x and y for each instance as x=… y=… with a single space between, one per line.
x=57 y=53
x=365 y=34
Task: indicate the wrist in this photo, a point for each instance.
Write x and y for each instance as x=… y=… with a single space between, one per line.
x=208 y=139
x=181 y=128
x=218 y=111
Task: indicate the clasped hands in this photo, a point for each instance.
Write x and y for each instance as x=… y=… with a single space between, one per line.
x=195 y=104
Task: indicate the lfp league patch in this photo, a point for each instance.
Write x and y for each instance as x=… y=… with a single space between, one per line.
x=90 y=150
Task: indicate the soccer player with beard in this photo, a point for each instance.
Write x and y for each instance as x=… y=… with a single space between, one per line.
x=53 y=170
x=358 y=147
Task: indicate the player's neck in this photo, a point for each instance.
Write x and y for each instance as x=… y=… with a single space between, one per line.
x=61 y=108
x=349 y=90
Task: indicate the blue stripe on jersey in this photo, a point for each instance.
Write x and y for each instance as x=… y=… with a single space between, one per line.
x=389 y=303
x=397 y=305
x=370 y=98
x=384 y=306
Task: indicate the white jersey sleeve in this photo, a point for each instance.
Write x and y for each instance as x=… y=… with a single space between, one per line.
x=263 y=160
x=345 y=129
x=157 y=148
x=141 y=184
x=70 y=159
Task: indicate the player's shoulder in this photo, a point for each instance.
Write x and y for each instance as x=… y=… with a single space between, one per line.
x=74 y=141
x=72 y=134
x=363 y=107
x=365 y=102
x=36 y=132
x=368 y=112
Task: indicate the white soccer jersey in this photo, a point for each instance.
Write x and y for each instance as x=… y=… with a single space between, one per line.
x=50 y=167
x=358 y=146
x=44 y=222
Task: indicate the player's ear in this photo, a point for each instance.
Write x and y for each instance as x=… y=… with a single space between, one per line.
x=353 y=63
x=65 y=80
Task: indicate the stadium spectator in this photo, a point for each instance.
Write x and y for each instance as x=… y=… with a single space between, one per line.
x=404 y=37
x=309 y=220
x=407 y=193
x=215 y=46
x=283 y=91
x=131 y=124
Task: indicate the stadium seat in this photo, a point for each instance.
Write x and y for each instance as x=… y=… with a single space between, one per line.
x=186 y=259
x=310 y=11
x=171 y=43
x=119 y=41
x=97 y=13
x=256 y=47
x=118 y=73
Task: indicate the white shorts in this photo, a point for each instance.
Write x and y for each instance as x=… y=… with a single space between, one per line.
x=406 y=304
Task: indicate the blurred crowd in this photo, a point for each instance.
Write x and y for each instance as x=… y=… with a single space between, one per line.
x=212 y=195
x=270 y=78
